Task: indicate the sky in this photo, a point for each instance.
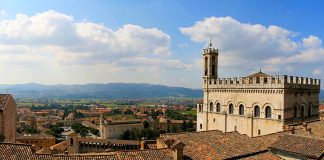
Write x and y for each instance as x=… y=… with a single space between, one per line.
x=157 y=41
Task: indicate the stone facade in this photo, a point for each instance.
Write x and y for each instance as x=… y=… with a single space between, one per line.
x=114 y=129
x=7 y=118
x=257 y=104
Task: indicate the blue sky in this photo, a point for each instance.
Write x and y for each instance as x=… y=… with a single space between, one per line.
x=173 y=35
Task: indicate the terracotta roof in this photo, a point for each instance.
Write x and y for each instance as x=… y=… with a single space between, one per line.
x=268 y=140
x=165 y=154
x=317 y=129
x=93 y=156
x=3 y=100
x=258 y=75
x=89 y=124
x=59 y=146
x=20 y=151
x=215 y=144
x=303 y=146
x=266 y=156
x=44 y=150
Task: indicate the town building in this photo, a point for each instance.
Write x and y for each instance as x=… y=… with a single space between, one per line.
x=7 y=118
x=71 y=119
x=257 y=104
x=39 y=141
x=113 y=129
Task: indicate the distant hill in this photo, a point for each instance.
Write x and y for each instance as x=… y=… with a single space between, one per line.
x=110 y=90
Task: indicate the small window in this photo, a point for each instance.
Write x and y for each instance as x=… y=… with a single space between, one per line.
x=241 y=109
x=259 y=132
x=302 y=109
x=218 y=107
x=231 y=109
x=268 y=112
x=279 y=116
x=295 y=111
x=235 y=128
x=309 y=110
x=256 y=111
x=211 y=106
x=214 y=120
x=200 y=126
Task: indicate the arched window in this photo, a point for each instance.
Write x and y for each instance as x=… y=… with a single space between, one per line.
x=218 y=107
x=256 y=111
x=206 y=66
x=241 y=109
x=295 y=112
x=302 y=111
x=309 y=110
x=211 y=106
x=231 y=109
x=268 y=112
x=213 y=66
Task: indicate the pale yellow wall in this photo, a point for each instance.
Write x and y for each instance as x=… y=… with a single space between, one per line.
x=115 y=131
x=274 y=95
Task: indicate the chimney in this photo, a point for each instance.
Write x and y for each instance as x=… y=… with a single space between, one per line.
x=33 y=148
x=292 y=130
x=177 y=148
x=305 y=126
x=177 y=151
x=142 y=143
x=285 y=127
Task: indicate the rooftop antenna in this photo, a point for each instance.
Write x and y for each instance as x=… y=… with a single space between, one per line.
x=210 y=45
x=260 y=70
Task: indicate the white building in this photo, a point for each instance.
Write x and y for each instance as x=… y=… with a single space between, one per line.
x=114 y=129
x=254 y=105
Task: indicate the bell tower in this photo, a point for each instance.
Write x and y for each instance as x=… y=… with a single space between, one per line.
x=210 y=73
x=210 y=62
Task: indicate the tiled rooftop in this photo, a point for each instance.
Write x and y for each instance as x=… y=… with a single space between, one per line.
x=263 y=156
x=216 y=144
x=22 y=152
x=163 y=154
x=304 y=146
x=4 y=99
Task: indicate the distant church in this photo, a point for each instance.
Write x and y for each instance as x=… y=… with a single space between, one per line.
x=257 y=104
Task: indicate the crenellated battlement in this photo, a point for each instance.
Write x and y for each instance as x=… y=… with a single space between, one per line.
x=276 y=81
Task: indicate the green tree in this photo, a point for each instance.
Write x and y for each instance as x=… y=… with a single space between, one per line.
x=146 y=124
x=184 y=126
x=125 y=135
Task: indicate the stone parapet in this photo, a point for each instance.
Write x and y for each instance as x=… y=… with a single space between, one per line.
x=283 y=81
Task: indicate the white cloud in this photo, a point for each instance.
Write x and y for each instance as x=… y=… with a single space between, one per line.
x=2 y=13
x=183 y=45
x=312 y=42
x=52 y=44
x=59 y=36
x=245 y=47
x=317 y=72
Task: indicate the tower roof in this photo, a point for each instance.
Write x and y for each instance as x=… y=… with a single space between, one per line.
x=258 y=75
